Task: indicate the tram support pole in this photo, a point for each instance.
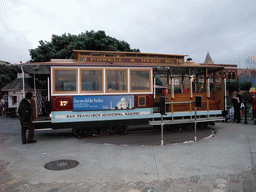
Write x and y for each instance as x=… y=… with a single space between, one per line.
x=198 y=103
x=195 y=125
x=162 y=130
x=162 y=112
x=23 y=81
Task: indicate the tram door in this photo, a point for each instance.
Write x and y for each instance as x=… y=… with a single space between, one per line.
x=42 y=99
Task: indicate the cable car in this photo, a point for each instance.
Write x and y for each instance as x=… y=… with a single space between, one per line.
x=98 y=91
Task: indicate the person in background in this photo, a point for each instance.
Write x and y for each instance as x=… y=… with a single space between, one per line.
x=253 y=106
x=236 y=101
x=26 y=116
x=1 y=108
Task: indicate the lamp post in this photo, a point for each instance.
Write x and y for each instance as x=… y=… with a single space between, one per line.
x=189 y=59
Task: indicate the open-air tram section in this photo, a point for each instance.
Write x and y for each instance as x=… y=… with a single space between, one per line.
x=98 y=91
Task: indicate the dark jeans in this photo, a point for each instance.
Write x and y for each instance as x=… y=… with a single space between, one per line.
x=254 y=114
x=24 y=127
x=237 y=114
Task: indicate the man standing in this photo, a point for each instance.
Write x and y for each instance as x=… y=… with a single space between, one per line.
x=253 y=106
x=24 y=112
x=236 y=100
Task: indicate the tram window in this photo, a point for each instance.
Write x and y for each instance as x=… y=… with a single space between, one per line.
x=91 y=80
x=116 y=80
x=65 y=80
x=140 y=80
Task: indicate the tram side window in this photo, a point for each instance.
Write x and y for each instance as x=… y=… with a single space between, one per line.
x=91 y=80
x=140 y=80
x=65 y=80
x=117 y=80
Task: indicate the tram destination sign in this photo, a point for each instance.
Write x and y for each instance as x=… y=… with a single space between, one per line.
x=91 y=103
x=131 y=60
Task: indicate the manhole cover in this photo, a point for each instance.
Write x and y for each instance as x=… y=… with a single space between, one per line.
x=61 y=164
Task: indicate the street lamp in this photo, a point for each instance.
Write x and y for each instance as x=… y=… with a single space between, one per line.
x=189 y=59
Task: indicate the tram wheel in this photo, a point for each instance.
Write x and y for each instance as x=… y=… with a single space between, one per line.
x=121 y=129
x=88 y=131
x=77 y=132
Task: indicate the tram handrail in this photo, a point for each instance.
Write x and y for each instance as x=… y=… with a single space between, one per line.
x=180 y=102
x=163 y=103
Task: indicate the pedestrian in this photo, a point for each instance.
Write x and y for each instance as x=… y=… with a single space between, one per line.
x=253 y=106
x=25 y=116
x=1 y=106
x=236 y=101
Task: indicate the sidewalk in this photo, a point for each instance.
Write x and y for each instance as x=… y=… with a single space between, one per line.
x=222 y=163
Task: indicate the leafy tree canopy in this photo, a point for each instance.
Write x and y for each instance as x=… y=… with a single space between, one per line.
x=61 y=47
x=232 y=85
x=245 y=86
x=7 y=74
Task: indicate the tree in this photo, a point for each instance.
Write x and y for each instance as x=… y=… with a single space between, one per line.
x=232 y=85
x=61 y=47
x=245 y=86
x=7 y=74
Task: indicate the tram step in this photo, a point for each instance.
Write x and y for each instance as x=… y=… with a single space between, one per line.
x=168 y=122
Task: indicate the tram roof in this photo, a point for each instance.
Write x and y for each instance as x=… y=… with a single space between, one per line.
x=44 y=67
x=89 y=58
x=120 y=53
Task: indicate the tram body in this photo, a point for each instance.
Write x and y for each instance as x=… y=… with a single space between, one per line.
x=100 y=90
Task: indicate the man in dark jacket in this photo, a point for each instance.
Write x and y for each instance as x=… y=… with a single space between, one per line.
x=236 y=101
x=24 y=112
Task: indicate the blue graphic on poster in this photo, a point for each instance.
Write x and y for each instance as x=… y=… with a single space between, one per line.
x=88 y=103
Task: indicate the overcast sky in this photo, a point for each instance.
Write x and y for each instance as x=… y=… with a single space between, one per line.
x=224 y=28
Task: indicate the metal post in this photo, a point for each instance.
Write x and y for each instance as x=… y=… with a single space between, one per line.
x=23 y=81
x=172 y=92
x=225 y=93
x=172 y=88
x=154 y=87
x=35 y=94
x=48 y=81
x=162 y=130
x=195 y=125
x=182 y=81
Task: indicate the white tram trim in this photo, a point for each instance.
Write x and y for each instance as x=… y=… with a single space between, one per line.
x=139 y=113
x=84 y=116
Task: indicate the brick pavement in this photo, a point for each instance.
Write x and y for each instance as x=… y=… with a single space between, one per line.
x=243 y=182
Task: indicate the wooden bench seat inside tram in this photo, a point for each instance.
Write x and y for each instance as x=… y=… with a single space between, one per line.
x=180 y=97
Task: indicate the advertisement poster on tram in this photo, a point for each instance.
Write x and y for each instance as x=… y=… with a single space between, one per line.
x=113 y=102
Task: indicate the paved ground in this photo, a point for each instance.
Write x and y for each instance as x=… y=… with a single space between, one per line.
x=225 y=162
